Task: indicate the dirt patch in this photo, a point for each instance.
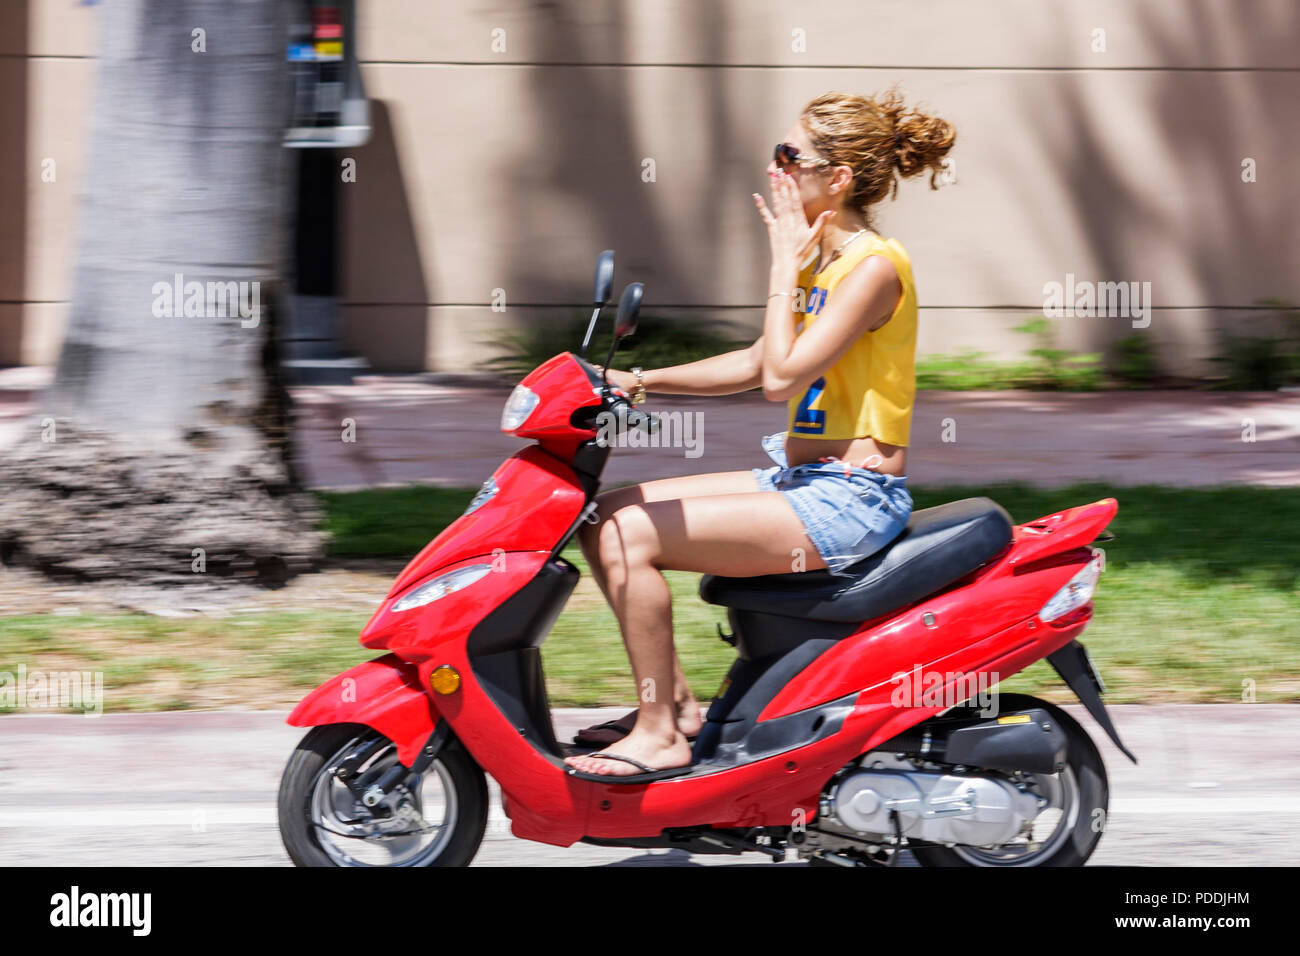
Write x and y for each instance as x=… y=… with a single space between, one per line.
x=339 y=585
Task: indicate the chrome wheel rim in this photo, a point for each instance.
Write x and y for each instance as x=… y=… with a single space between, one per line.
x=420 y=818
x=1045 y=834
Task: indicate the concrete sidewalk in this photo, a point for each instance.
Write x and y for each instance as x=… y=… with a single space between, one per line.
x=1216 y=786
x=411 y=429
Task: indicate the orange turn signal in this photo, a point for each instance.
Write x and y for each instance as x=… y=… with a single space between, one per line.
x=445 y=679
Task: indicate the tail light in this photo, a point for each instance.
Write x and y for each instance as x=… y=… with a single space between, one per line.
x=1078 y=590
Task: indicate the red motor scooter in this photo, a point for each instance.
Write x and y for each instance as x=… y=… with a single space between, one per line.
x=854 y=722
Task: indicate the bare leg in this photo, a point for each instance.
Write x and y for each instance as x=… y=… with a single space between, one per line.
x=735 y=534
x=686 y=707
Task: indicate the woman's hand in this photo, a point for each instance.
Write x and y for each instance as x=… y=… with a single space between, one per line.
x=788 y=232
x=624 y=380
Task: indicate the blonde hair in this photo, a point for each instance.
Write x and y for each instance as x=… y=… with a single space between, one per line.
x=879 y=138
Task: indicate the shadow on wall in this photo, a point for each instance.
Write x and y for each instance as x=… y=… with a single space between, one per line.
x=13 y=184
x=591 y=156
x=1206 y=122
x=385 y=298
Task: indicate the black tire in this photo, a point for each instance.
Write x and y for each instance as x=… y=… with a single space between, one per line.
x=1093 y=794
x=298 y=783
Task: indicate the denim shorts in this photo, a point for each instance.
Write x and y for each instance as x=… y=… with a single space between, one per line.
x=849 y=514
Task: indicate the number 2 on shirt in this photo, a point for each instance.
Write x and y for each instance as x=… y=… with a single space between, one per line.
x=807 y=419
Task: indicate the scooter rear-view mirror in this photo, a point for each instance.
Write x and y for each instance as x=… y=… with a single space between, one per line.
x=604 y=277
x=603 y=284
x=629 y=306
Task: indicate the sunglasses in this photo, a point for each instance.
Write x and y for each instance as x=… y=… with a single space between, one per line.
x=786 y=156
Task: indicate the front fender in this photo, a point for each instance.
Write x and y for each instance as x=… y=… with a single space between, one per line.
x=385 y=694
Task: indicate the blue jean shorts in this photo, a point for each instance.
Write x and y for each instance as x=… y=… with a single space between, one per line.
x=849 y=514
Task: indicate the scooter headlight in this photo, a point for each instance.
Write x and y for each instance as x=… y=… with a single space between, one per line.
x=1078 y=590
x=441 y=586
x=519 y=406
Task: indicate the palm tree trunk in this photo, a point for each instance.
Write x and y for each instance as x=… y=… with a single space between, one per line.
x=161 y=452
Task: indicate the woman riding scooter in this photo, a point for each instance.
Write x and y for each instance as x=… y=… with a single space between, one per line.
x=838 y=345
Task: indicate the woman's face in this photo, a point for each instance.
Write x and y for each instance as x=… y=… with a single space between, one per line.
x=812 y=181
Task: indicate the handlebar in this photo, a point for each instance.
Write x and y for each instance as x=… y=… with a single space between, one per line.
x=614 y=399
x=621 y=405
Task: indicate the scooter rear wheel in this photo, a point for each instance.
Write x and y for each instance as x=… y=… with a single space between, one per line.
x=437 y=818
x=1078 y=801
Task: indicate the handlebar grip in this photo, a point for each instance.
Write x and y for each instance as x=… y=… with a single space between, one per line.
x=646 y=421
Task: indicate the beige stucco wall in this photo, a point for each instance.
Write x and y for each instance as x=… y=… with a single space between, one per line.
x=510 y=170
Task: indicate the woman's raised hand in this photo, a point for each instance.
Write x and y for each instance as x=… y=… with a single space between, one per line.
x=788 y=232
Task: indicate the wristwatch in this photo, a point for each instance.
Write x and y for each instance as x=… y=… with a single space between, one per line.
x=638 y=393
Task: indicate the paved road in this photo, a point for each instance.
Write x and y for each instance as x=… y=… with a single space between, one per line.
x=1218 y=785
x=408 y=429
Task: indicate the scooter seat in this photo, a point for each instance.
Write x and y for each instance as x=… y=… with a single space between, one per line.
x=939 y=546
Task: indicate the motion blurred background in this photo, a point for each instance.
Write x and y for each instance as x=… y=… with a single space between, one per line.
x=205 y=509
x=505 y=145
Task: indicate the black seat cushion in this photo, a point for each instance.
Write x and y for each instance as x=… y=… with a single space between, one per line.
x=938 y=546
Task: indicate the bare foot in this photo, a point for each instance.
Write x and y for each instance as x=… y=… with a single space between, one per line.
x=656 y=752
x=688 y=717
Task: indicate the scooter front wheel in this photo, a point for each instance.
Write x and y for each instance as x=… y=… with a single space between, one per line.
x=435 y=818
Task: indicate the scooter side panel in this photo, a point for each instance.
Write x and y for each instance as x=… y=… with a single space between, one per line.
x=898 y=705
x=545 y=803
x=417 y=633
x=538 y=499
x=781 y=790
x=784 y=790
x=383 y=694
x=959 y=619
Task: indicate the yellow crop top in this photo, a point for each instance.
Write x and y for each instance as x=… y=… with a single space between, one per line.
x=871 y=389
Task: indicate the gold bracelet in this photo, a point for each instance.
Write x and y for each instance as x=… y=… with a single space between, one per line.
x=638 y=394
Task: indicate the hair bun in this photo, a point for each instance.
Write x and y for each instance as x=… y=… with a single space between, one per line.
x=879 y=139
x=920 y=140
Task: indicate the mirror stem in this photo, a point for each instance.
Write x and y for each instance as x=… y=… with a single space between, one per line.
x=613 y=347
x=586 y=339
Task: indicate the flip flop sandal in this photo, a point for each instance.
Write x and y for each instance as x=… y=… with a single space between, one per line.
x=647 y=775
x=610 y=732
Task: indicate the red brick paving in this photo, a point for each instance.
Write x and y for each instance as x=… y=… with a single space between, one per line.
x=411 y=430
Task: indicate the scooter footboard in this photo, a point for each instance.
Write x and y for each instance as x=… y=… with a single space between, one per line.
x=384 y=694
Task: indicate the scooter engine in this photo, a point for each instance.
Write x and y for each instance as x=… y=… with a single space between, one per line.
x=937 y=807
